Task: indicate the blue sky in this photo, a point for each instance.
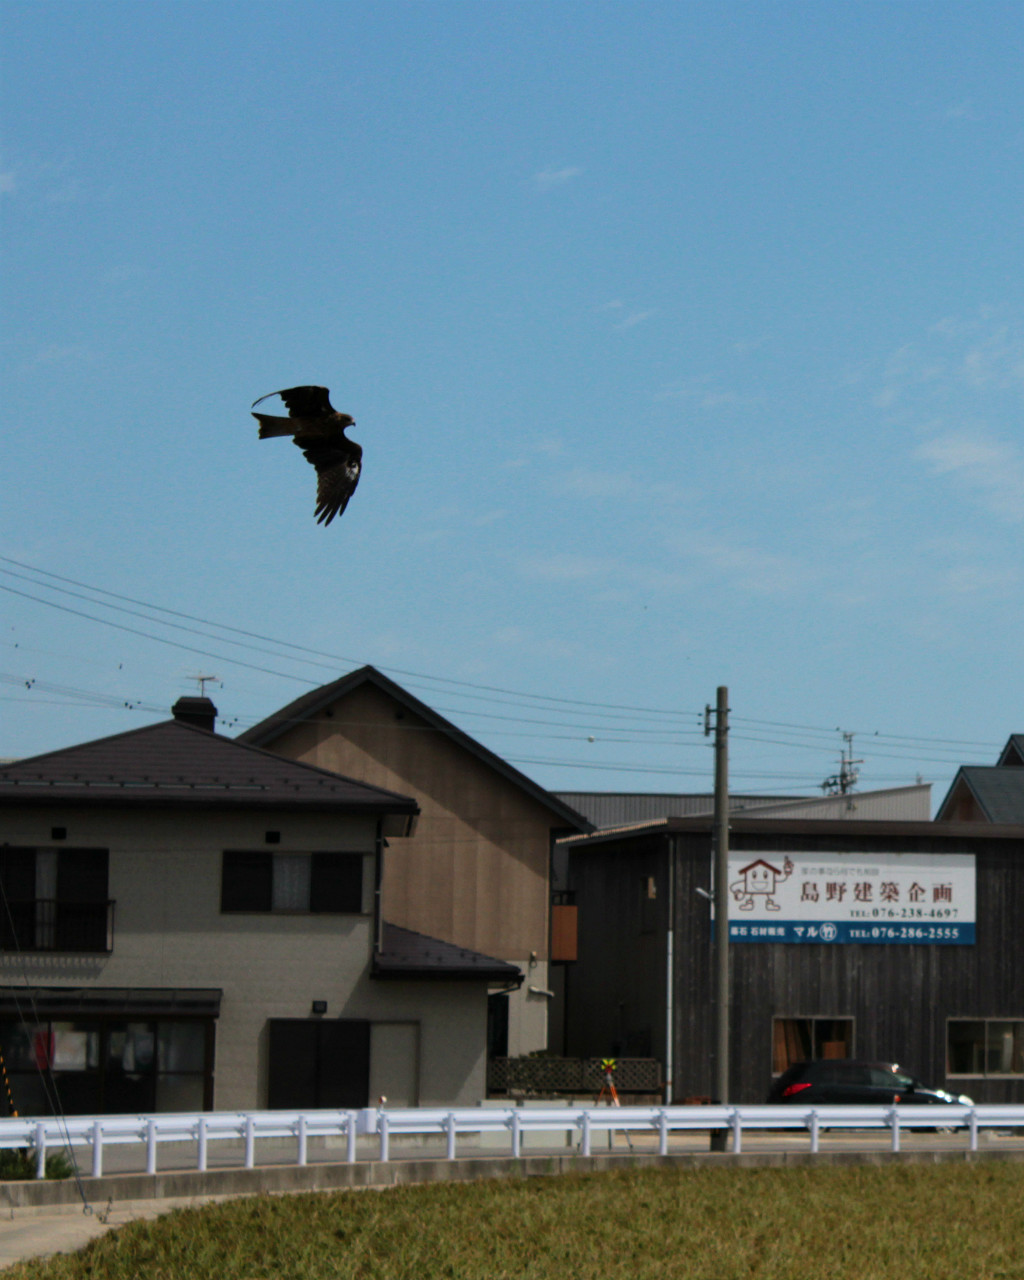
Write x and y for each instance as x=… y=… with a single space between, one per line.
x=685 y=344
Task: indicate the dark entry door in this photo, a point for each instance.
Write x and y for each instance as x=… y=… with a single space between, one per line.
x=315 y=1063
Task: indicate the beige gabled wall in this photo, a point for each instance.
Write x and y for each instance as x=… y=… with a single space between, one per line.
x=476 y=870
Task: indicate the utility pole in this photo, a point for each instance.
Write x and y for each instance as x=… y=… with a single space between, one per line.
x=721 y=894
x=843 y=782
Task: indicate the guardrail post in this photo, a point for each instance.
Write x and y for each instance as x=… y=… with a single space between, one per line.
x=812 y=1124
x=578 y=1125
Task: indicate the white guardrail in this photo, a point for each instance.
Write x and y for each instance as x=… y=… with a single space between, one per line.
x=43 y=1136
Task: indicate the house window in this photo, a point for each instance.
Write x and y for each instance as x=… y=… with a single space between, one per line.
x=292 y=882
x=87 y=1065
x=55 y=900
x=985 y=1047
x=807 y=1039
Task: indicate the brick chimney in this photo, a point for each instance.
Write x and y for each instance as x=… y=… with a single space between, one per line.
x=198 y=711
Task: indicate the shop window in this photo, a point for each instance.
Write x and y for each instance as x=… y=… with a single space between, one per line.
x=292 y=882
x=807 y=1039
x=985 y=1047
x=107 y=1065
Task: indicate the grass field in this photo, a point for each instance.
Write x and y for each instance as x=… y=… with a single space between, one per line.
x=900 y=1222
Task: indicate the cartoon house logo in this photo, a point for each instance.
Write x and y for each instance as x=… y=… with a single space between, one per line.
x=759 y=880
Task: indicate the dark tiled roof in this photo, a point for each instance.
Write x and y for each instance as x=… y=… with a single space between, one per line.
x=998 y=789
x=1013 y=752
x=311 y=704
x=174 y=764
x=406 y=954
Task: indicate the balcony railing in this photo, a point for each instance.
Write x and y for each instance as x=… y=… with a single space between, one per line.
x=47 y=924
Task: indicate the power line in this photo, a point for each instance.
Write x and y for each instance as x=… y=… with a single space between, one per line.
x=287 y=644
x=662 y=721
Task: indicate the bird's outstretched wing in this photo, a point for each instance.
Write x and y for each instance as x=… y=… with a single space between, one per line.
x=303 y=402
x=338 y=465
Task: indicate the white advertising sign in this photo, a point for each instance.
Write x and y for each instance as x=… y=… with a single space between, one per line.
x=852 y=897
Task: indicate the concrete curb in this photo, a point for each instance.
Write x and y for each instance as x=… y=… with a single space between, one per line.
x=190 y=1185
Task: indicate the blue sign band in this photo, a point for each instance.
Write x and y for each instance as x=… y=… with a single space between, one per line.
x=829 y=931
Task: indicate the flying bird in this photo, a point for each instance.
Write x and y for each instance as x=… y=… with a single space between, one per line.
x=319 y=431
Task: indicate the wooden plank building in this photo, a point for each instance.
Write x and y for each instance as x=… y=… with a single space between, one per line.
x=941 y=996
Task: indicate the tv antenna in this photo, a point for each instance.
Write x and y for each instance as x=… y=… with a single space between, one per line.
x=203 y=681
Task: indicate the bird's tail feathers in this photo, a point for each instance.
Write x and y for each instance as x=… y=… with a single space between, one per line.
x=273 y=426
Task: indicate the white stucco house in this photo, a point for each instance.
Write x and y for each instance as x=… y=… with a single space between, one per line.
x=190 y=922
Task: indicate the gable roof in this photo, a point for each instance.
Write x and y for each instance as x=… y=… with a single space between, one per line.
x=407 y=954
x=997 y=790
x=177 y=764
x=309 y=705
x=1013 y=753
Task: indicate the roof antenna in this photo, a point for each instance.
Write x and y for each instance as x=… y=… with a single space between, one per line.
x=203 y=681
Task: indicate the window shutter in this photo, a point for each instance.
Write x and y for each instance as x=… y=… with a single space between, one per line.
x=246 y=881
x=336 y=883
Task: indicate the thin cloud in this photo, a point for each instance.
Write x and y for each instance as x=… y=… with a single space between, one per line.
x=67 y=355
x=977 y=580
x=589 y=484
x=959 y=356
x=637 y=317
x=567 y=567
x=990 y=468
x=550 y=178
x=630 y=319
x=964 y=110
x=747 y=567
x=697 y=391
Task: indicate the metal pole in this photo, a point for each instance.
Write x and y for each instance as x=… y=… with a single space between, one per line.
x=722 y=892
x=670 y=964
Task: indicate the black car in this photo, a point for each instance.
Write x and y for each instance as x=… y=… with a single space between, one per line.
x=839 y=1080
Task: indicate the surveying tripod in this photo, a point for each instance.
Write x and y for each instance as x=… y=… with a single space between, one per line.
x=609 y=1094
